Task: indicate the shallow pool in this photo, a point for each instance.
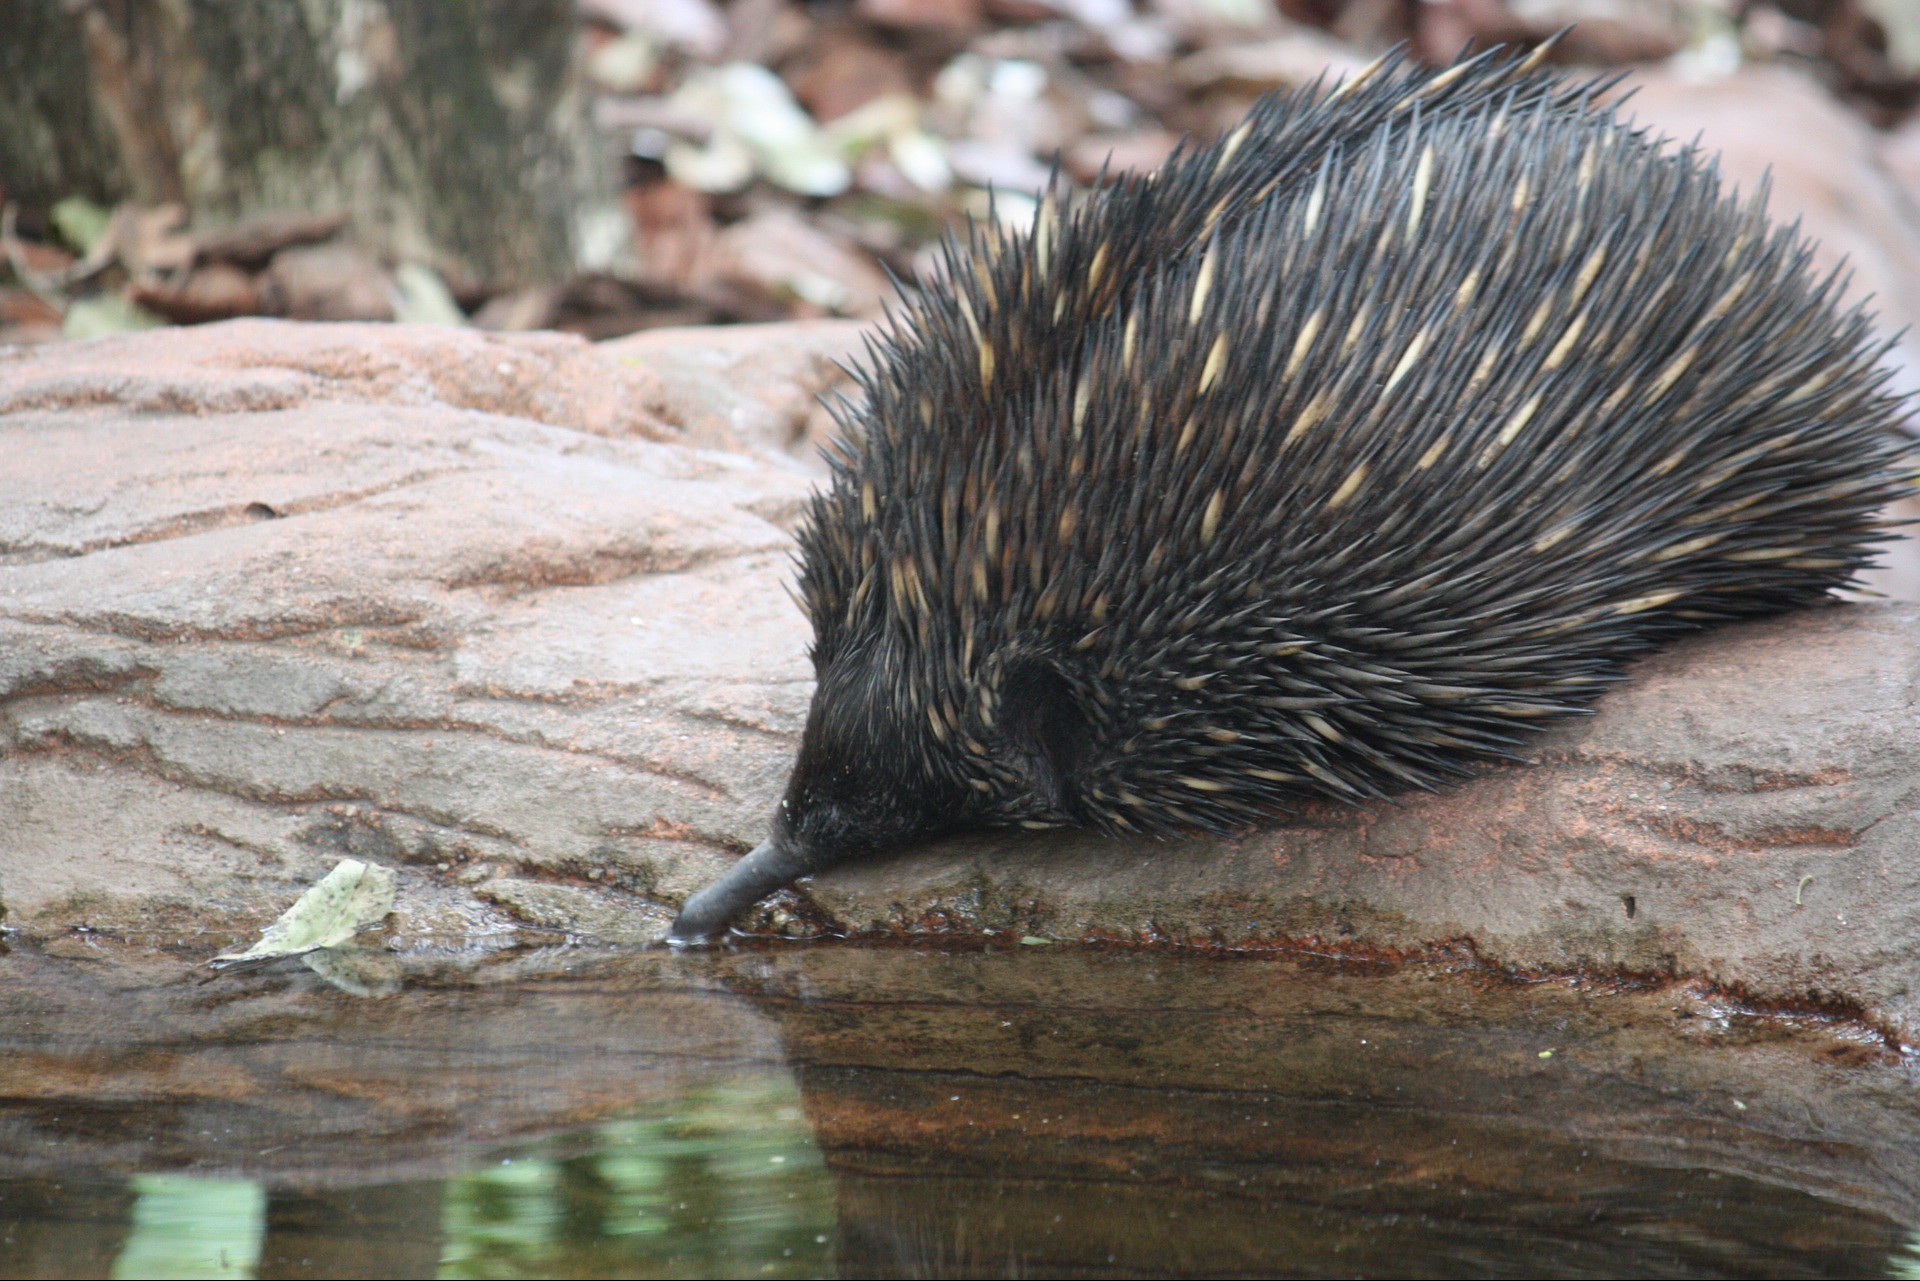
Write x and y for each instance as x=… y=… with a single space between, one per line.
x=839 y=1110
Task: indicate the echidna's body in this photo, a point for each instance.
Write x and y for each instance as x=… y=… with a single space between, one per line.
x=1328 y=461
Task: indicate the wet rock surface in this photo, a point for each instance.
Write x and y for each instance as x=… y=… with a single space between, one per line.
x=480 y=608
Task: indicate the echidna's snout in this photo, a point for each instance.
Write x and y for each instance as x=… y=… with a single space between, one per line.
x=862 y=785
x=774 y=863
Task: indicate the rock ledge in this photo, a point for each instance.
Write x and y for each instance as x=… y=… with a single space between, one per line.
x=509 y=614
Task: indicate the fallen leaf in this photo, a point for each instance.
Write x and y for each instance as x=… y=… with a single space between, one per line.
x=108 y=313
x=252 y=242
x=216 y=291
x=80 y=222
x=346 y=900
x=424 y=298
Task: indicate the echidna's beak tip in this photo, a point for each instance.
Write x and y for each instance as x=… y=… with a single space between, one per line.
x=771 y=865
x=683 y=934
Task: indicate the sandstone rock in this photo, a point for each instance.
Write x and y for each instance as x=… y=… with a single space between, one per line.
x=753 y=388
x=256 y=366
x=272 y=593
x=269 y=593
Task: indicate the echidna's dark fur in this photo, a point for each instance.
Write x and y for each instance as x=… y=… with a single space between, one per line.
x=1328 y=461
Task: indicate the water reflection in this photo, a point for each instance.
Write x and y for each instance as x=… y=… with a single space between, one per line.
x=1905 y=1263
x=724 y=1182
x=843 y=1111
x=188 y=1227
x=728 y=1184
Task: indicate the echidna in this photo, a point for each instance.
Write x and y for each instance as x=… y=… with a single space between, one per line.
x=1331 y=460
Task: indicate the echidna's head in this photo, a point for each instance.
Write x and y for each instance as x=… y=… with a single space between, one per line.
x=862 y=785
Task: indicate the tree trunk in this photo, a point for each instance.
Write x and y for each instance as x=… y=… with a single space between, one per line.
x=451 y=132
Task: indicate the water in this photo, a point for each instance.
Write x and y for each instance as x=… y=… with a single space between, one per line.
x=722 y=1182
x=833 y=1110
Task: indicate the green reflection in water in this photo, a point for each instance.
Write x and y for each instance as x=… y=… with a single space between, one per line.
x=726 y=1182
x=191 y=1227
x=1905 y=1263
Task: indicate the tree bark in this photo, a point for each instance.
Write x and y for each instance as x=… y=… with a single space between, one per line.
x=451 y=132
